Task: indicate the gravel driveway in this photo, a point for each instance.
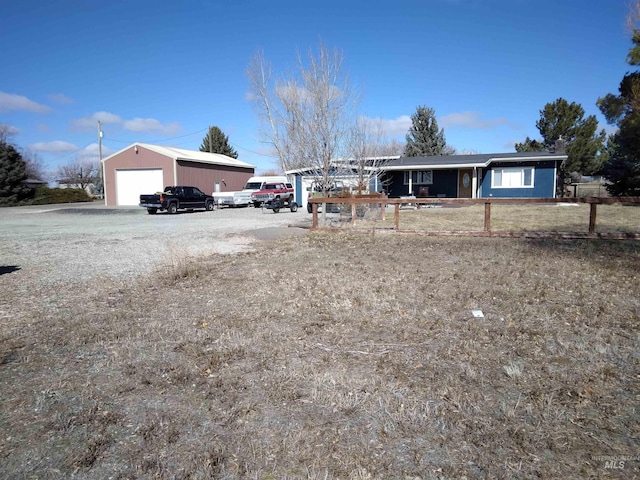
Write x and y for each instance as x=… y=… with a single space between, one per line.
x=78 y=242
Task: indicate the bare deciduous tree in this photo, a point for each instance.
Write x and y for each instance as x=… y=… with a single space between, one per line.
x=78 y=174
x=308 y=116
x=34 y=166
x=368 y=147
x=6 y=132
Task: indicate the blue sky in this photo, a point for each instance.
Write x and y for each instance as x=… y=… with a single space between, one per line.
x=163 y=71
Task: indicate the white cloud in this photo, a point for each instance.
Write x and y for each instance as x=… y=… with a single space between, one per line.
x=511 y=145
x=472 y=120
x=91 y=123
x=56 y=146
x=138 y=125
x=10 y=101
x=61 y=98
x=393 y=127
x=92 y=152
x=151 y=125
x=250 y=97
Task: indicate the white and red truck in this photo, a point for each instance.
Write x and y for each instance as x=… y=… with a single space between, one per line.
x=275 y=195
x=243 y=197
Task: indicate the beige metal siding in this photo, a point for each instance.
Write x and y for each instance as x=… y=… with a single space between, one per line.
x=205 y=176
x=129 y=159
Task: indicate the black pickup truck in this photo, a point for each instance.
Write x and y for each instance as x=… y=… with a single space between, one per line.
x=175 y=198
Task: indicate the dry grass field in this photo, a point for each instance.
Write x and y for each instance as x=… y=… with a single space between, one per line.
x=331 y=356
x=518 y=218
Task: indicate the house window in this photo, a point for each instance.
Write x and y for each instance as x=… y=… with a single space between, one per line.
x=419 y=177
x=512 y=177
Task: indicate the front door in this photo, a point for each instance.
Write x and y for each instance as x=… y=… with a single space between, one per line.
x=464 y=183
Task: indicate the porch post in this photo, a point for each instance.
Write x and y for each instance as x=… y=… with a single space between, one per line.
x=474 y=183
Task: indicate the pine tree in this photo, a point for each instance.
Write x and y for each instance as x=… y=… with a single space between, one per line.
x=530 y=145
x=584 y=145
x=623 y=167
x=12 y=176
x=424 y=139
x=217 y=142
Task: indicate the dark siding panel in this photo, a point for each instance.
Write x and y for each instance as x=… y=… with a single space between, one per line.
x=445 y=182
x=204 y=176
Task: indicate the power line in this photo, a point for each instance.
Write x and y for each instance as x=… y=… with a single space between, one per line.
x=251 y=151
x=181 y=136
x=75 y=152
x=158 y=141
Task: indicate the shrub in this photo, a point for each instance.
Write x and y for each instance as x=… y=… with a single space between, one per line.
x=46 y=195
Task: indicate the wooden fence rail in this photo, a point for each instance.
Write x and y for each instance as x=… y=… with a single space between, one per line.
x=382 y=202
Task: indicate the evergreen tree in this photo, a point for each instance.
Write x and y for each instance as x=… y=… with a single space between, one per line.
x=217 y=142
x=530 y=145
x=12 y=175
x=623 y=167
x=584 y=146
x=424 y=139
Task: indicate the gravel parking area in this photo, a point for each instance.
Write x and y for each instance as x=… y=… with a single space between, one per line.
x=78 y=242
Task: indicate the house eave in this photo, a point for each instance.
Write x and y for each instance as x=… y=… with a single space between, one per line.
x=484 y=164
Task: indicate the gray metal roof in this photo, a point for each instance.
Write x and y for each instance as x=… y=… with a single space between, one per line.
x=461 y=161
x=188 y=155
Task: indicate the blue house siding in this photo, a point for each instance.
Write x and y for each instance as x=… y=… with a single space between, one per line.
x=297 y=188
x=544 y=181
x=445 y=175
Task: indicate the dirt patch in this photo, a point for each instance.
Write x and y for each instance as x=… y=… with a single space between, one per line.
x=277 y=233
x=331 y=356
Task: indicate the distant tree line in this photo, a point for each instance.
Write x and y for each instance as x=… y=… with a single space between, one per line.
x=310 y=119
x=24 y=181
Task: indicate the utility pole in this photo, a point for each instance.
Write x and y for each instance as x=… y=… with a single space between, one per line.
x=100 y=158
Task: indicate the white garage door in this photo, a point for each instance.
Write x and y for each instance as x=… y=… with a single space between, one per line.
x=130 y=184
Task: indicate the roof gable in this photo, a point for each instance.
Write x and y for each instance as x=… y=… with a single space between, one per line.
x=187 y=155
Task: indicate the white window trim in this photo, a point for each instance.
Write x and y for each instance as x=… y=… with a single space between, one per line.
x=408 y=175
x=512 y=170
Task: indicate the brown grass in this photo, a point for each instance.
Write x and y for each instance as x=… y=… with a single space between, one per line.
x=331 y=356
x=517 y=218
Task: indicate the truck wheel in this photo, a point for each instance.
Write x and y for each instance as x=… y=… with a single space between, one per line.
x=294 y=207
x=152 y=211
x=275 y=205
x=172 y=208
x=309 y=208
x=209 y=206
x=257 y=204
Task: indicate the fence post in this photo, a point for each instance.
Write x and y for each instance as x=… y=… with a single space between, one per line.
x=487 y=216
x=592 y=217
x=353 y=212
x=314 y=220
x=396 y=220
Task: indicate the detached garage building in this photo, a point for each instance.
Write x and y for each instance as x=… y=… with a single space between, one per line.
x=144 y=168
